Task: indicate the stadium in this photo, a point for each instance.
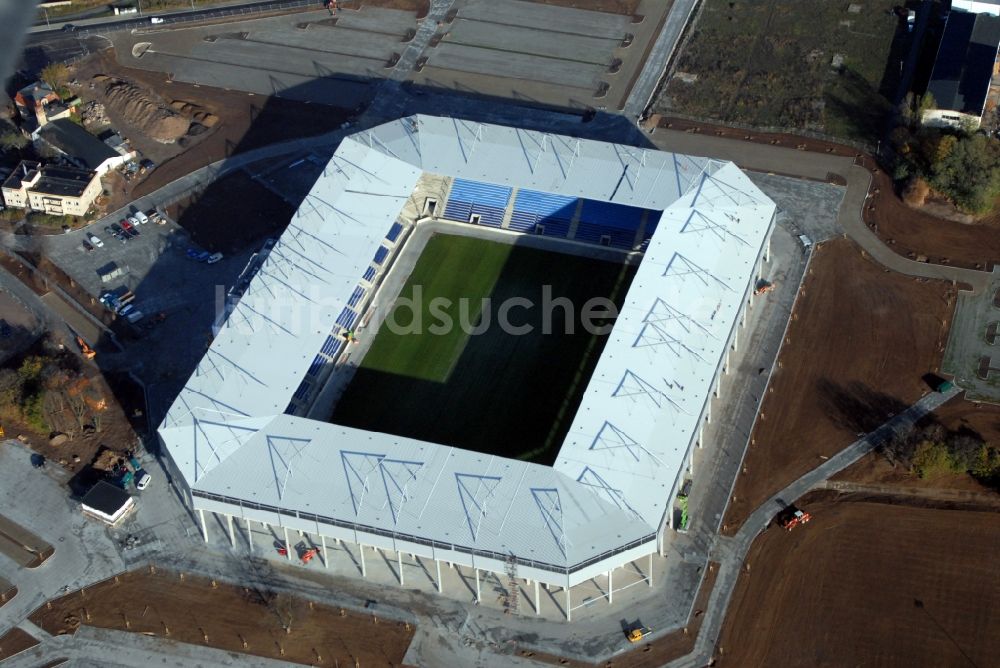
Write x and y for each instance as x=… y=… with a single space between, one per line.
x=553 y=462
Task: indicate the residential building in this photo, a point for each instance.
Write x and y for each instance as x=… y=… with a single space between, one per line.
x=963 y=70
x=32 y=100
x=52 y=189
x=107 y=503
x=69 y=140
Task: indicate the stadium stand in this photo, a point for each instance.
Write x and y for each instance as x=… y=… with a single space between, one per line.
x=473 y=198
x=330 y=346
x=380 y=255
x=553 y=212
x=651 y=222
x=617 y=222
x=369 y=274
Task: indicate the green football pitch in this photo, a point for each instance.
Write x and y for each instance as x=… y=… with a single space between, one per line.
x=474 y=385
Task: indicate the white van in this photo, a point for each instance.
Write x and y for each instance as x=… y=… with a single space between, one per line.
x=143 y=480
x=141 y=217
x=805 y=241
x=213 y=258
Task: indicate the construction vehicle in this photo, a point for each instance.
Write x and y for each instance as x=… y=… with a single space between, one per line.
x=637 y=633
x=85 y=350
x=763 y=287
x=791 y=517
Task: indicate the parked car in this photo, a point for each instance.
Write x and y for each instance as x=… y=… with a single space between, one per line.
x=129 y=227
x=135 y=316
x=94 y=239
x=87 y=246
x=133 y=220
x=117 y=233
x=141 y=217
x=142 y=480
x=214 y=257
x=125 y=309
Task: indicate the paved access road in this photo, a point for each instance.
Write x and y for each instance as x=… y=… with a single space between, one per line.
x=731 y=552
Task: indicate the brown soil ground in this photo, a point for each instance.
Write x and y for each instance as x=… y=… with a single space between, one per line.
x=859 y=342
x=868 y=584
x=245 y=121
x=657 y=652
x=209 y=216
x=228 y=615
x=21 y=545
x=913 y=233
x=7 y=591
x=14 y=642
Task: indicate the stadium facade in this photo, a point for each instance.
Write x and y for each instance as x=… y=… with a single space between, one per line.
x=241 y=437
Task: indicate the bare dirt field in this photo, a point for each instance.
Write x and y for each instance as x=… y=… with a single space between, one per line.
x=764 y=64
x=228 y=617
x=868 y=584
x=860 y=340
x=14 y=642
x=231 y=213
x=244 y=121
x=657 y=652
x=913 y=233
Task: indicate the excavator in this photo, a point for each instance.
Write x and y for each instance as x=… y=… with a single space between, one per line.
x=637 y=633
x=791 y=517
x=85 y=350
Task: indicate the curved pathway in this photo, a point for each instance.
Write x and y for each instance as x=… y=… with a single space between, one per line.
x=731 y=552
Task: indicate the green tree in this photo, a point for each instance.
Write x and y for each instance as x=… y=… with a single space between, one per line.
x=969 y=173
x=931 y=458
x=13 y=140
x=55 y=75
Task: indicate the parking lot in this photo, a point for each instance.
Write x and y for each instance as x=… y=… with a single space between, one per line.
x=504 y=49
x=307 y=56
x=166 y=281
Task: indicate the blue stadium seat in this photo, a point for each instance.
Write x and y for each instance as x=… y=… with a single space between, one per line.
x=532 y=208
x=302 y=394
x=469 y=198
x=381 y=254
x=346 y=318
x=330 y=345
x=369 y=274
x=355 y=296
x=394 y=232
x=315 y=367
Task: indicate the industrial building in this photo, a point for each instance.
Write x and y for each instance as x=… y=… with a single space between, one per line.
x=243 y=438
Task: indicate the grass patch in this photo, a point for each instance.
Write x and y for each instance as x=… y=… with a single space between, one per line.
x=770 y=64
x=512 y=395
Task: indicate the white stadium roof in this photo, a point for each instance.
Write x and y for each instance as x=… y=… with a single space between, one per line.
x=622 y=458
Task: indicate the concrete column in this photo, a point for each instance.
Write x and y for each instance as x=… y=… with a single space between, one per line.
x=288 y=545
x=479 y=594
x=232 y=534
x=708 y=415
x=701 y=435
x=399 y=560
x=767 y=251
x=569 y=615
x=249 y=536
x=736 y=339
x=611 y=587
x=361 y=551
x=326 y=559
x=650 y=569
x=204 y=527
x=718 y=385
x=437 y=562
x=538 y=599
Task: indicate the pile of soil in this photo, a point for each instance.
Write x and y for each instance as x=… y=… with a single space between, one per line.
x=138 y=107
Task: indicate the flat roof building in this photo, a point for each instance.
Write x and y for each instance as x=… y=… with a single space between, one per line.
x=52 y=189
x=108 y=503
x=963 y=69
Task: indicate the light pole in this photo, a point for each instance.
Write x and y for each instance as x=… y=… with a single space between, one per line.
x=46 y=11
